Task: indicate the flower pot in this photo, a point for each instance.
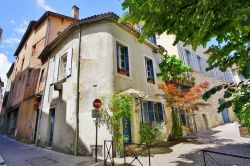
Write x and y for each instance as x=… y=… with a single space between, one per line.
x=150 y=81
x=244 y=132
x=122 y=72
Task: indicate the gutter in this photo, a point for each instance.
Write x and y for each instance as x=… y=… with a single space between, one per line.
x=78 y=92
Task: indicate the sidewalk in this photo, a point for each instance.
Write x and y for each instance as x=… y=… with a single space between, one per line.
x=14 y=153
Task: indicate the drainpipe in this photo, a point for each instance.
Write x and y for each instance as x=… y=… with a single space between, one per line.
x=78 y=92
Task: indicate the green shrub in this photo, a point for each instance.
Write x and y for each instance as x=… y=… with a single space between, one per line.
x=243 y=116
x=146 y=134
x=151 y=133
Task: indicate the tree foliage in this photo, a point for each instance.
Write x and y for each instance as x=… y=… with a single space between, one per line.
x=172 y=68
x=238 y=95
x=196 y=22
x=184 y=100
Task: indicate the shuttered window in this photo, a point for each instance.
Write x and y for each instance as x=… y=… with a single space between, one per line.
x=122 y=59
x=63 y=65
x=149 y=70
x=152 y=112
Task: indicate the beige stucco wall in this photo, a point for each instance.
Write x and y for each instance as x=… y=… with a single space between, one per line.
x=210 y=111
x=98 y=67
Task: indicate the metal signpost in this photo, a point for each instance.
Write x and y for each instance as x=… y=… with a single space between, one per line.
x=97 y=103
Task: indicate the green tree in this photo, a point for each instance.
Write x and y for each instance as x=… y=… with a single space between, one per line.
x=197 y=22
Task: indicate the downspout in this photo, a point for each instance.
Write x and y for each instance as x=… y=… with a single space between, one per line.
x=40 y=109
x=78 y=92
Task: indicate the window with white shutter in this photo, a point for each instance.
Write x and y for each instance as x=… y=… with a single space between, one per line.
x=63 y=65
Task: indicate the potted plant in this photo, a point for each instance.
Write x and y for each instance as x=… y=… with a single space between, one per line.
x=150 y=80
x=123 y=72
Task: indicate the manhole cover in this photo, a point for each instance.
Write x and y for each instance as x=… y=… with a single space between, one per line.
x=41 y=161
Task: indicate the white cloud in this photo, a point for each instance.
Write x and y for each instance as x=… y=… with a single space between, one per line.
x=25 y=22
x=4 y=67
x=12 y=22
x=44 y=5
x=11 y=40
x=20 y=30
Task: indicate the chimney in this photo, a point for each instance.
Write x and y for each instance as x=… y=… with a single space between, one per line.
x=75 y=12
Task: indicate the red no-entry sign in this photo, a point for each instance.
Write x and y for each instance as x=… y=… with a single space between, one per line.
x=97 y=103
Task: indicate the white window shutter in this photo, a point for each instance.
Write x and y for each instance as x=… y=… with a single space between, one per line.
x=69 y=61
x=56 y=67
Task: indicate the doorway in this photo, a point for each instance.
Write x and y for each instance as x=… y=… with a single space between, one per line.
x=127 y=131
x=224 y=113
x=51 y=126
x=205 y=121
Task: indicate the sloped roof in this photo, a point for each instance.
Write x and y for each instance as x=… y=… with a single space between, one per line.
x=34 y=24
x=109 y=16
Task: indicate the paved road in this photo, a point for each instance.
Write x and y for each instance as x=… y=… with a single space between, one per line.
x=225 y=138
x=18 y=154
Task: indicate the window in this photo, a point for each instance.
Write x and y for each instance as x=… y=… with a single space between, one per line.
x=149 y=70
x=22 y=64
x=188 y=55
x=41 y=77
x=50 y=95
x=33 y=50
x=122 y=60
x=28 y=79
x=18 y=86
x=200 y=64
x=152 y=111
x=153 y=39
x=62 y=68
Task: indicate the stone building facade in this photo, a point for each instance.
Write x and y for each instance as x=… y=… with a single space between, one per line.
x=206 y=117
x=111 y=60
x=26 y=77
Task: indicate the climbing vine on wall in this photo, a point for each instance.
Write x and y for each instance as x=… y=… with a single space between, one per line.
x=115 y=112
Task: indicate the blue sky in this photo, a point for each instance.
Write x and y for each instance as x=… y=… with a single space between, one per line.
x=15 y=16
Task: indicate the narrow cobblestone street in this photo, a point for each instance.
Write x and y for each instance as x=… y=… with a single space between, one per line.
x=224 y=138
x=18 y=154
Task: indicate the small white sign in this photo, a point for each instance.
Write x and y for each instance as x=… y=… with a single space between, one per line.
x=96 y=113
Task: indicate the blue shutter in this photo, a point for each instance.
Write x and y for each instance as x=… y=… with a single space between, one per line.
x=151 y=111
x=160 y=112
x=117 y=56
x=152 y=70
x=126 y=60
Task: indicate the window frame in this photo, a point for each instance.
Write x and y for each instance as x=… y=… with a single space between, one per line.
x=146 y=113
x=122 y=70
x=153 y=80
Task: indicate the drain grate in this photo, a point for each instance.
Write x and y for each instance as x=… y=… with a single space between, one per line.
x=41 y=161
